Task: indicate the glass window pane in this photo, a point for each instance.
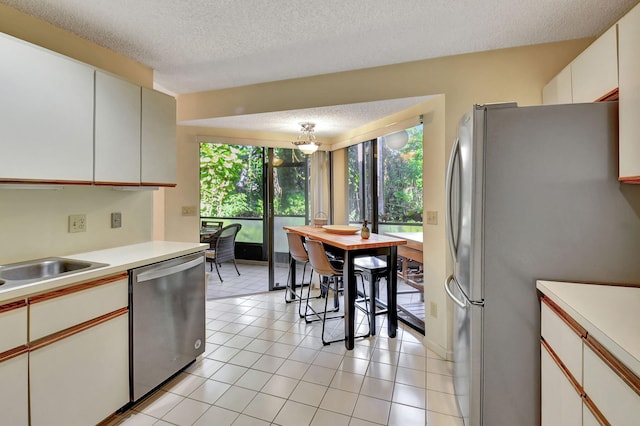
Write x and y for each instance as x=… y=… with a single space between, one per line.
x=400 y=180
x=231 y=186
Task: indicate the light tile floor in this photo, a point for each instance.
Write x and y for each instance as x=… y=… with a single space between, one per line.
x=263 y=365
x=254 y=279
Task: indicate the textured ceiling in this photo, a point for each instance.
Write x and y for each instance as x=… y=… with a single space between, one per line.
x=198 y=45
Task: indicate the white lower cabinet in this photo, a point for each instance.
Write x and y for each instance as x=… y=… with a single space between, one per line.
x=561 y=404
x=14 y=390
x=79 y=352
x=83 y=378
x=582 y=383
x=616 y=400
x=14 y=364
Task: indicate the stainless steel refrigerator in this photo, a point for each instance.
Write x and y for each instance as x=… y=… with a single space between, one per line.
x=532 y=193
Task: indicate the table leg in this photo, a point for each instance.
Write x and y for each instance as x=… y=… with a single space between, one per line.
x=392 y=292
x=349 y=283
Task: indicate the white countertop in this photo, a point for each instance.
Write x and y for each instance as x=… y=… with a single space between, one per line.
x=611 y=314
x=118 y=259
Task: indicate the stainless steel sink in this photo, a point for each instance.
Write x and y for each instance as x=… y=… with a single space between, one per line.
x=41 y=269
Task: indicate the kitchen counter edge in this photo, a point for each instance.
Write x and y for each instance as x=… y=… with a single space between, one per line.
x=118 y=259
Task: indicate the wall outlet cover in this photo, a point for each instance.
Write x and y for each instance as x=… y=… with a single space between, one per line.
x=116 y=220
x=77 y=223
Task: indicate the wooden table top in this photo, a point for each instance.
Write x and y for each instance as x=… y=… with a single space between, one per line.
x=346 y=242
x=414 y=239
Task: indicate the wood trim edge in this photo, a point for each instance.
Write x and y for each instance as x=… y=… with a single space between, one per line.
x=12 y=353
x=167 y=185
x=573 y=324
x=613 y=363
x=630 y=179
x=55 y=337
x=613 y=95
x=76 y=288
x=13 y=305
x=594 y=410
x=106 y=183
x=576 y=385
x=46 y=182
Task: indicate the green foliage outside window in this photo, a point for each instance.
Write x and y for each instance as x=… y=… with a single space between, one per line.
x=231 y=181
x=398 y=182
x=401 y=181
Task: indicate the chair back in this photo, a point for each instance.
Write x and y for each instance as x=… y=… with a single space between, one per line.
x=226 y=242
x=319 y=260
x=296 y=247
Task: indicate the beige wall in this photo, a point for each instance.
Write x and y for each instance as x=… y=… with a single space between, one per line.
x=516 y=74
x=34 y=223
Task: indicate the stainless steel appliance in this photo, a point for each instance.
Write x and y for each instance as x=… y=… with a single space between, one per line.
x=166 y=319
x=532 y=194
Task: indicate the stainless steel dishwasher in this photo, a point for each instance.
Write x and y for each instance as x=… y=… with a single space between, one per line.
x=166 y=320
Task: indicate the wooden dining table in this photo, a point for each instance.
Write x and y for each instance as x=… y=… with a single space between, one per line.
x=355 y=246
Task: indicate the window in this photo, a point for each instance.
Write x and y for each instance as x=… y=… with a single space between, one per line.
x=385 y=184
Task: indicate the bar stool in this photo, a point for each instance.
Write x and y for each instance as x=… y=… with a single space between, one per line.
x=320 y=263
x=299 y=254
x=375 y=269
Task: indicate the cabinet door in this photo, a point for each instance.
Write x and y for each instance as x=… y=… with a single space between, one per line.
x=14 y=389
x=558 y=90
x=629 y=63
x=13 y=323
x=82 y=378
x=46 y=105
x=564 y=336
x=61 y=309
x=617 y=401
x=158 y=139
x=594 y=73
x=561 y=403
x=117 y=131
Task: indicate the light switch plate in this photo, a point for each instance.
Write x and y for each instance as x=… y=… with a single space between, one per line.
x=432 y=217
x=188 y=210
x=77 y=223
x=116 y=220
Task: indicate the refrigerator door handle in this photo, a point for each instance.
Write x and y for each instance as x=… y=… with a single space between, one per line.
x=457 y=301
x=447 y=282
x=453 y=245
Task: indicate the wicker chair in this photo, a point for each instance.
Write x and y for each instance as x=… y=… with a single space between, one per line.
x=223 y=248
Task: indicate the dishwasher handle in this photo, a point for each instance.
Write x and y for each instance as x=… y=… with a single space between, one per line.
x=163 y=272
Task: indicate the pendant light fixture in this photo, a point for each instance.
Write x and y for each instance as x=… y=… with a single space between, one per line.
x=306 y=141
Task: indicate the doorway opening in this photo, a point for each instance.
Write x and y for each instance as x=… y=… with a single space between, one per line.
x=239 y=184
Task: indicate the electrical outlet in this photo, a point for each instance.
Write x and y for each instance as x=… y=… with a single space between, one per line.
x=433 y=309
x=116 y=220
x=77 y=223
x=432 y=217
x=188 y=210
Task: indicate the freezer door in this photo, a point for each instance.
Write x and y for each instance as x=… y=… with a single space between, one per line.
x=465 y=292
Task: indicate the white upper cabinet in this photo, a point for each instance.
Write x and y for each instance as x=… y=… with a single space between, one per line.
x=117 y=131
x=46 y=105
x=158 y=139
x=594 y=73
x=558 y=90
x=629 y=60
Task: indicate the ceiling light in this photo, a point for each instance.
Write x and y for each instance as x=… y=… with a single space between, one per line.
x=306 y=141
x=396 y=140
